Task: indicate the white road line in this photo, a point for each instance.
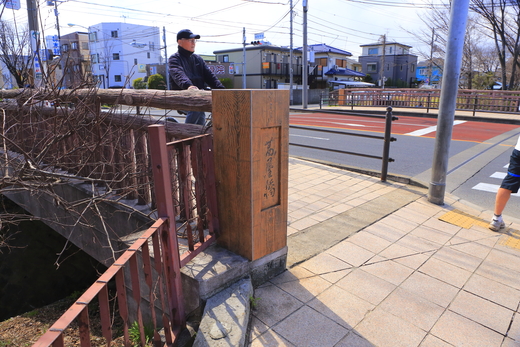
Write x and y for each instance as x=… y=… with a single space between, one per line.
x=499 y=175
x=349 y=124
x=310 y=137
x=431 y=129
x=492 y=188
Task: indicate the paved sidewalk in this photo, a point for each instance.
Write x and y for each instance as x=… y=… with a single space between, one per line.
x=375 y=264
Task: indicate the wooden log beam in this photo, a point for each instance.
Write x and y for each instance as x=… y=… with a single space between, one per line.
x=192 y=100
x=125 y=120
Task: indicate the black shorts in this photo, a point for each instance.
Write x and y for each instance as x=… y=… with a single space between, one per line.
x=512 y=179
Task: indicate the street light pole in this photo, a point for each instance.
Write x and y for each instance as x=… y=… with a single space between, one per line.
x=448 y=100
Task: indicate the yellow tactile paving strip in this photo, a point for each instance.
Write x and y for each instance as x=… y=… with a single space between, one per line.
x=466 y=221
x=513 y=241
x=462 y=219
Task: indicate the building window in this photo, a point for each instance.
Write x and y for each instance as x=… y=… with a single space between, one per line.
x=225 y=59
x=74 y=45
x=341 y=63
x=148 y=55
x=413 y=67
x=390 y=50
x=65 y=48
x=373 y=51
x=84 y=45
x=94 y=58
x=114 y=33
x=151 y=45
x=135 y=61
x=372 y=67
x=93 y=36
x=117 y=78
x=115 y=56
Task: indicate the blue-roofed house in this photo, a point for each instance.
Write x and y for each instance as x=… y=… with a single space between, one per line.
x=332 y=64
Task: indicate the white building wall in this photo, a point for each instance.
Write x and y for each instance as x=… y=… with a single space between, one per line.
x=122 y=51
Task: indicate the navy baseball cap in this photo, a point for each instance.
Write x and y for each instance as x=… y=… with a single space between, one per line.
x=187 y=34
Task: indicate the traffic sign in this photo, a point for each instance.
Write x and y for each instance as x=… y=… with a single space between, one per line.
x=11 y=4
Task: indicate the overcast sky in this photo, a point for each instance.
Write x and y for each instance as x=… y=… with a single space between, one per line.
x=344 y=24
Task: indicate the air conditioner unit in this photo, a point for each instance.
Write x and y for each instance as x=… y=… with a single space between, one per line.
x=335 y=67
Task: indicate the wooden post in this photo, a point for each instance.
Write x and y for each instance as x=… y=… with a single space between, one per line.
x=251 y=142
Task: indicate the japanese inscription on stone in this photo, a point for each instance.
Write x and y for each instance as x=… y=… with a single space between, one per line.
x=271 y=166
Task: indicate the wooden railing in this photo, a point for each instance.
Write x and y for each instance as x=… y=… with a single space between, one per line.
x=469 y=100
x=108 y=148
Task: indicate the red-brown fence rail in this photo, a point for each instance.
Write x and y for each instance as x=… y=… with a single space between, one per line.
x=469 y=100
x=155 y=269
x=181 y=169
x=116 y=154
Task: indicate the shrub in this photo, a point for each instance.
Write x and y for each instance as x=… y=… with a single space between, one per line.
x=227 y=82
x=156 y=81
x=138 y=83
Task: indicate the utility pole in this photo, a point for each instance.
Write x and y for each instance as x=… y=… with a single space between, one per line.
x=291 y=57
x=166 y=59
x=32 y=15
x=305 y=69
x=57 y=18
x=383 y=57
x=448 y=100
x=430 y=72
x=244 y=60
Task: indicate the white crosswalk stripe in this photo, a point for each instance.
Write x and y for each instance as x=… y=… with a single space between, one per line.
x=493 y=188
x=431 y=129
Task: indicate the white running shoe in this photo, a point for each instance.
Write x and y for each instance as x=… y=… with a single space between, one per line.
x=497 y=223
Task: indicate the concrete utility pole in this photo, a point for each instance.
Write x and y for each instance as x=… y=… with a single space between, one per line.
x=291 y=57
x=244 y=59
x=32 y=15
x=448 y=99
x=305 y=69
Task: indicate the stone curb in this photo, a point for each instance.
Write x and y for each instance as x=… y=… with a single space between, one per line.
x=226 y=317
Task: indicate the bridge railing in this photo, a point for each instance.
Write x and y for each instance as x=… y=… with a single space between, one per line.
x=181 y=169
x=107 y=148
x=468 y=100
x=153 y=249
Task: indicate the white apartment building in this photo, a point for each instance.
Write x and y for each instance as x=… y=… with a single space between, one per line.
x=119 y=52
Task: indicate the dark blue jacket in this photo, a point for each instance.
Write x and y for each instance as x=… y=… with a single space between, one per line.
x=188 y=69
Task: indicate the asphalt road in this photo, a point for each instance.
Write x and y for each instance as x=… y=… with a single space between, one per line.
x=478 y=152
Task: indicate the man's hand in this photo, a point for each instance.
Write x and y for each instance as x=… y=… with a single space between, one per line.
x=193 y=88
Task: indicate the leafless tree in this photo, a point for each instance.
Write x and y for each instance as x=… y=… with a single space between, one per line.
x=15 y=52
x=502 y=19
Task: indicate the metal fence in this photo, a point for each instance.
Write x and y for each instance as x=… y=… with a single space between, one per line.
x=467 y=100
x=387 y=139
x=183 y=170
